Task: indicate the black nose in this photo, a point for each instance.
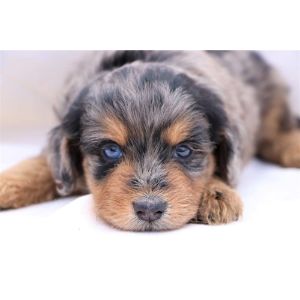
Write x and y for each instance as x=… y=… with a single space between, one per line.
x=149 y=208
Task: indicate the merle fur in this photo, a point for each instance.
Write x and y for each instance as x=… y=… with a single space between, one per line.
x=136 y=93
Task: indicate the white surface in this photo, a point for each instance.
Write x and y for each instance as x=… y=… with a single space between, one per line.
x=58 y=250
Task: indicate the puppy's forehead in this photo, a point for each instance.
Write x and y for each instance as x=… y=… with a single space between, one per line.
x=152 y=112
x=141 y=104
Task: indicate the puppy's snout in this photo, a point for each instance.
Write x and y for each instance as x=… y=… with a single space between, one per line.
x=149 y=208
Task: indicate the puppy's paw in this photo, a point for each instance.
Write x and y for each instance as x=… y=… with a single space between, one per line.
x=220 y=204
x=290 y=154
x=10 y=193
x=28 y=182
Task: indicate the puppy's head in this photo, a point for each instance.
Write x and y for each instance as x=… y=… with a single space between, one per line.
x=146 y=139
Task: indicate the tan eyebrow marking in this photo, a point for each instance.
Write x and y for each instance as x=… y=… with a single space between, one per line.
x=115 y=130
x=177 y=132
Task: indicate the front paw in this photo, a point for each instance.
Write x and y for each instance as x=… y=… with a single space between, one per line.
x=26 y=183
x=219 y=204
x=10 y=193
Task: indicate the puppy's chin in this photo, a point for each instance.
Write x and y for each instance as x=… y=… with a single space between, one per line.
x=159 y=225
x=135 y=224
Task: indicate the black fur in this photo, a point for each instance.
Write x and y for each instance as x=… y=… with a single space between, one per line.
x=121 y=58
x=102 y=169
x=72 y=120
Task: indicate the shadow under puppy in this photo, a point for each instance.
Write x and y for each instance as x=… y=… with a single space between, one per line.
x=159 y=137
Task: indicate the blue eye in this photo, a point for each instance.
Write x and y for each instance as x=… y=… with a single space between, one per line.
x=112 y=151
x=182 y=151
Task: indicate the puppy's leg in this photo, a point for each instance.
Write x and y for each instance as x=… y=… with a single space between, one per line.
x=219 y=204
x=283 y=150
x=28 y=182
x=279 y=140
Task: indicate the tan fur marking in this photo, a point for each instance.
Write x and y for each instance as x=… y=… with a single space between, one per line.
x=115 y=130
x=177 y=132
x=28 y=182
x=283 y=150
x=279 y=142
x=271 y=121
x=219 y=204
x=183 y=197
x=114 y=198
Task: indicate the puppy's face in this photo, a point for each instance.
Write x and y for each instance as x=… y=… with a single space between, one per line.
x=146 y=148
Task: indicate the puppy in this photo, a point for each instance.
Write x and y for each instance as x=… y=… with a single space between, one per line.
x=159 y=137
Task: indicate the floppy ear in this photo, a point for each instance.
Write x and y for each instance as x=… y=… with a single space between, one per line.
x=221 y=134
x=224 y=155
x=65 y=161
x=64 y=154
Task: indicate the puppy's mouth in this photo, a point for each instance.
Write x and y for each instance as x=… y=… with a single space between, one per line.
x=158 y=225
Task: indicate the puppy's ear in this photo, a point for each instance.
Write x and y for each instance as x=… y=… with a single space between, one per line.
x=64 y=154
x=224 y=158
x=221 y=134
x=65 y=161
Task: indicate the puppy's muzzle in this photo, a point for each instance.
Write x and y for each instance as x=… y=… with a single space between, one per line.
x=149 y=208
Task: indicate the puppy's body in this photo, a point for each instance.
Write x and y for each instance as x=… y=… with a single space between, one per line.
x=179 y=125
